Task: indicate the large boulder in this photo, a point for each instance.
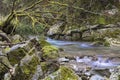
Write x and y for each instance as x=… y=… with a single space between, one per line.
x=55 y=28
x=29 y=68
x=17 y=52
x=50 y=52
x=4 y=66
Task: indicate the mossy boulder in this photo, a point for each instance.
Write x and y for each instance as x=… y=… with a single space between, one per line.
x=64 y=73
x=49 y=67
x=16 y=55
x=4 y=66
x=44 y=43
x=17 y=52
x=3 y=70
x=50 y=52
x=27 y=67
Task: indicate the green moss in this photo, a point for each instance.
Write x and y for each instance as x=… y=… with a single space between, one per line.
x=64 y=73
x=112 y=34
x=3 y=70
x=30 y=67
x=44 y=43
x=50 y=52
x=101 y=20
x=16 y=55
x=44 y=66
x=106 y=43
x=67 y=73
x=7 y=49
x=49 y=67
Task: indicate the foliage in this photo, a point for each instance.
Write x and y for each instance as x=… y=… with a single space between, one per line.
x=46 y=12
x=26 y=29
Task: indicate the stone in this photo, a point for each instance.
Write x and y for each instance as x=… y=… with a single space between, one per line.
x=49 y=67
x=4 y=65
x=63 y=59
x=50 y=52
x=38 y=73
x=16 y=55
x=55 y=28
x=17 y=38
x=97 y=77
x=115 y=74
x=64 y=73
x=18 y=51
x=28 y=68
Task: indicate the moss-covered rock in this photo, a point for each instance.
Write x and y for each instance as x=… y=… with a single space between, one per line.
x=50 y=52
x=16 y=38
x=27 y=68
x=44 y=43
x=64 y=73
x=16 y=55
x=49 y=67
x=100 y=42
x=3 y=70
x=113 y=41
x=4 y=66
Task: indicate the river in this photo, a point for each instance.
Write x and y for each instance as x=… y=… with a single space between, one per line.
x=106 y=56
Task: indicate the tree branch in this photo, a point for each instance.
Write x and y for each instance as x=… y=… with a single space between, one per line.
x=30 y=7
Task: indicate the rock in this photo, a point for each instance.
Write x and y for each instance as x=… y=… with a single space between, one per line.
x=3 y=69
x=113 y=41
x=100 y=43
x=64 y=73
x=77 y=67
x=38 y=73
x=4 y=65
x=17 y=52
x=49 y=67
x=50 y=52
x=101 y=72
x=63 y=59
x=97 y=77
x=55 y=28
x=17 y=38
x=115 y=74
x=28 y=68
x=7 y=76
x=16 y=55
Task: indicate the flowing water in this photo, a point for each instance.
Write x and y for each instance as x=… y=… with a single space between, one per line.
x=106 y=56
